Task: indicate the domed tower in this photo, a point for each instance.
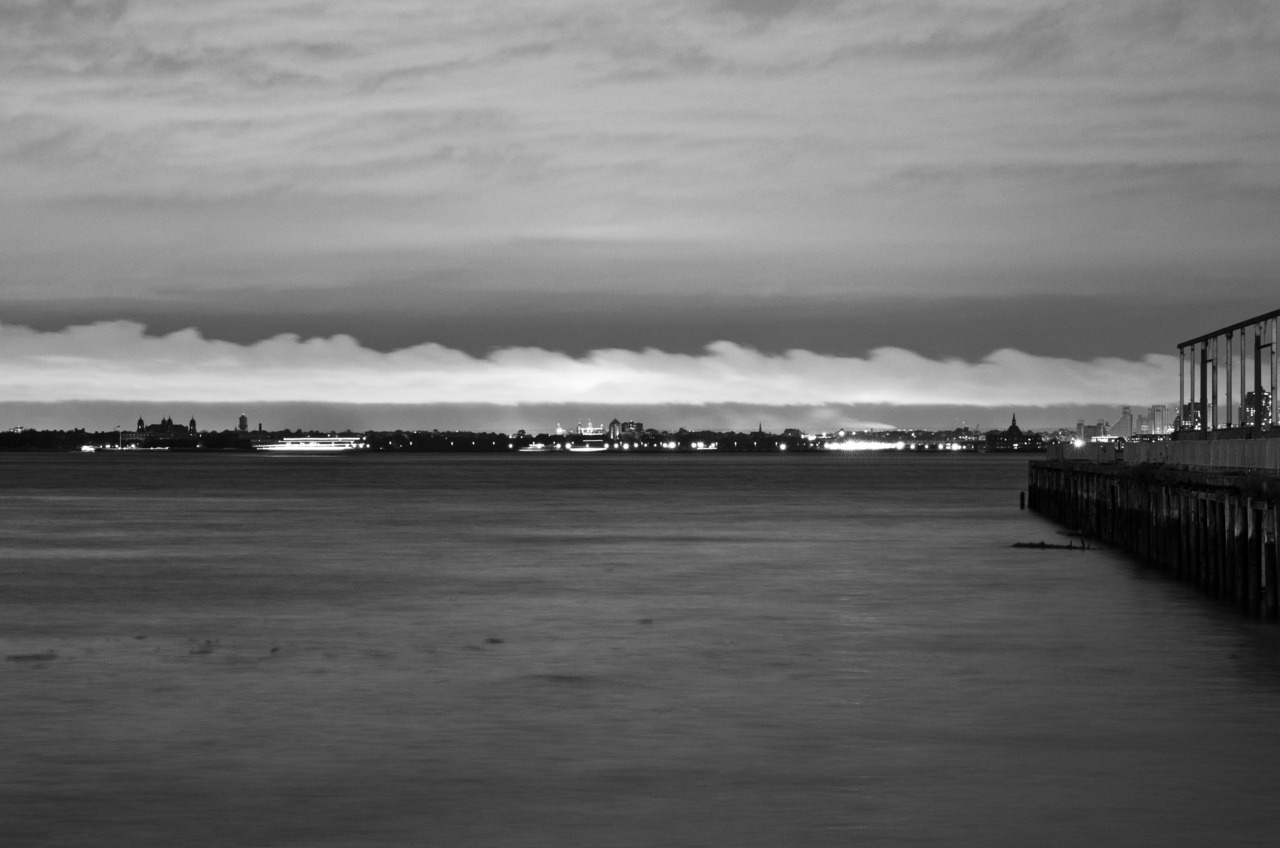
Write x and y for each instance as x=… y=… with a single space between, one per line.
x=142 y=425
x=191 y=428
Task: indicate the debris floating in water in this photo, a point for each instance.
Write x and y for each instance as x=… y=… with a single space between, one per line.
x=47 y=656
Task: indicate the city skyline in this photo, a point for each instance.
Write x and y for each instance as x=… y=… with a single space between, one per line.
x=205 y=418
x=811 y=213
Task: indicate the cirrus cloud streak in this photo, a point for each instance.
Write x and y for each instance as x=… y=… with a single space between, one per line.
x=119 y=361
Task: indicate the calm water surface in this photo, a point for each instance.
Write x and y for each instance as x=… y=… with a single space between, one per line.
x=603 y=651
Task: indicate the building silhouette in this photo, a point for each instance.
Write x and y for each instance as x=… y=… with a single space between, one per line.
x=1013 y=438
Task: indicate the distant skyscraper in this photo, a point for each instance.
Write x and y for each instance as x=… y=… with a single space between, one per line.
x=1124 y=427
x=1156 y=416
x=244 y=423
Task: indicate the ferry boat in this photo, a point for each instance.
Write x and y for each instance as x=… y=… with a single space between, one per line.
x=316 y=444
x=588 y=439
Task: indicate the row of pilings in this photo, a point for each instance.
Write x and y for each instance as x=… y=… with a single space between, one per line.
x=1215 y=530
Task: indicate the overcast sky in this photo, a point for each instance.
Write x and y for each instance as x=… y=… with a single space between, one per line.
x=754 y=204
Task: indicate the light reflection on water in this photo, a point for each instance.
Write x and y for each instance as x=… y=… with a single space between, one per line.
x=532 y=650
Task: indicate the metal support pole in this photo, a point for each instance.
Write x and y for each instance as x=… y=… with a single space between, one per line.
x=1230 y=400
x=1244 y=335
x=1257 y=376
x=1202 y=408
x=1275 y=410
x=1192 y=422
x=1182 y=384
x=1213 y=416
x=1191 y=386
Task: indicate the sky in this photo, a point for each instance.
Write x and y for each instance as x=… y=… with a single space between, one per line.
x=708 y=212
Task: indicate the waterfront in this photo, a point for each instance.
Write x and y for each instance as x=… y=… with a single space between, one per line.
x=553 y=650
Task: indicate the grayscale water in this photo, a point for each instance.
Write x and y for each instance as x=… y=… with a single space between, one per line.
x=604 y=651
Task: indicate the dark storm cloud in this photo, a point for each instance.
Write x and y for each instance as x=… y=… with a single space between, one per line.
x=1080 y=327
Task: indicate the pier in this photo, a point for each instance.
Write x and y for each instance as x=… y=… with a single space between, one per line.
x=1202 y=505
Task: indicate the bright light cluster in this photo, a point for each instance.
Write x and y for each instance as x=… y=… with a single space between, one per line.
x=864 y=445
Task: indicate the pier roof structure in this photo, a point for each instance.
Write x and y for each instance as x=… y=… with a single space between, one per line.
x=1252 y=344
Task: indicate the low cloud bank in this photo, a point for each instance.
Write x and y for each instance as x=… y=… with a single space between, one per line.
x=113 y=361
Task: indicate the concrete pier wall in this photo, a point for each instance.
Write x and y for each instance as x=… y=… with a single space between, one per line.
x=1261 y=454
x=1253 y=454
x=1214 y=529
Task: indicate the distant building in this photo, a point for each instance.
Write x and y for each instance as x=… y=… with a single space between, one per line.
x=626 y=431
x=244 y=424
x=1158 y=420
x=164 y=434
x=1014 y=439
x=1096 y=431
x=1190 y=416
x=1124 y=427
x=1249 y=409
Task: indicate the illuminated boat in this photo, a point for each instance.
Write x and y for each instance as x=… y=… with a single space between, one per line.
x=588 y=439
x=316 y=444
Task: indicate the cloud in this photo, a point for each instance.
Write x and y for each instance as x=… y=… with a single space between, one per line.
x=118 y=361
x=137 y=139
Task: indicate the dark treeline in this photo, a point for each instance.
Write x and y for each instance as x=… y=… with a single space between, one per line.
x=74 y=440
x=49 y=440
x=461 y=441
x=399 y=441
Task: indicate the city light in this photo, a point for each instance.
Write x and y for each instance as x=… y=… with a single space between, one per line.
x=864 y=445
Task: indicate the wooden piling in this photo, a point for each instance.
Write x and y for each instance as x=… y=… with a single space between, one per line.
x=1217 y=530
x=1270 y=600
